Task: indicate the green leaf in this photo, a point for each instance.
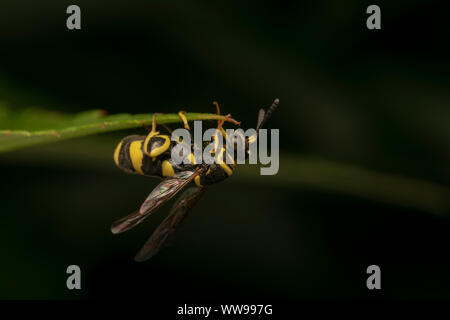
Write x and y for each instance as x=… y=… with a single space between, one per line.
x=36 y=126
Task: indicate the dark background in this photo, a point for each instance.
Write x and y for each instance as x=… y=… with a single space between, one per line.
x=376 y=99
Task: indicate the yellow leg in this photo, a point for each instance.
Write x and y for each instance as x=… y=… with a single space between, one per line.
x=217 y=107
x=228 y=116
x=219 y=129
x=220 y=122
x=154 y=123
x=154 y=132
x=181 y=114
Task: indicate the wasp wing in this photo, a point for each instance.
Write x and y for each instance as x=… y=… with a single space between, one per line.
x=164 y=233
x=128 y=222
x=161 y=194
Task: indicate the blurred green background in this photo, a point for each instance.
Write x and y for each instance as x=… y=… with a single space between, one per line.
x=364 y=169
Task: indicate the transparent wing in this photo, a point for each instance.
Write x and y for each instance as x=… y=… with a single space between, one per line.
x=128 y=222
x=164 y=233
x=161 y=194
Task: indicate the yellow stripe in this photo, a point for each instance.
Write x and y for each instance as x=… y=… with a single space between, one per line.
x=184 y=119
x=160 y=150
x=147 y=139
x=167 y=169
x=116 y=153
x=197 y=181
x=136 y=155
x=224 y=166
x=252 y=138
x=224 y=133
x=192 y=158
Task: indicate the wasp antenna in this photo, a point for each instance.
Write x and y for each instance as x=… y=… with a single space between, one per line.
x=272 y=108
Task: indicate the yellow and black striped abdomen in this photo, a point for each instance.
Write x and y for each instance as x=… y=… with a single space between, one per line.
x=130 y=158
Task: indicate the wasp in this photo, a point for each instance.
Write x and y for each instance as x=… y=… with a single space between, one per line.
x=151 y=156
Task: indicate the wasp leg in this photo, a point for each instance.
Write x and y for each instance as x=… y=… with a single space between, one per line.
x=219 y=129
x=154 y=122
x=221 y=122
x=167 y=128
x=152 y=131
x=145 y=126
x=171 y=131
x=217 y=107
x=181 y=114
